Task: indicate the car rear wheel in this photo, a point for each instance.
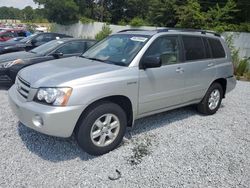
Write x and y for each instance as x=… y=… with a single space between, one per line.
x=212 y=100
x=101 y=129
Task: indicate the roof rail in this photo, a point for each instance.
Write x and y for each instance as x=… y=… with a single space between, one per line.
x=189 y=30
x=125 y=30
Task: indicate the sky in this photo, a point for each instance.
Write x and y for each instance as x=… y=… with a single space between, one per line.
x=18 y=3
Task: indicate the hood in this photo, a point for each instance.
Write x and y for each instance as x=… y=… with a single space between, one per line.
x=58 y=72
x=17 y=55
x=9 y=43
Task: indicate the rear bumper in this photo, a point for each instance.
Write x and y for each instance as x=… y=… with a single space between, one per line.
x=231 y=83
x=57 y=121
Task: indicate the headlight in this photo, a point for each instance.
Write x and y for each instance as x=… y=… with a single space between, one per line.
x=54 y=96
x=10 y=64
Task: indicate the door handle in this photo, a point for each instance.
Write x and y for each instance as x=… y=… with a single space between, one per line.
x=179 y=70
x=210 y=64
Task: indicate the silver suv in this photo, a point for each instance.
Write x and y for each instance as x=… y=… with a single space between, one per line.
x=128 y=75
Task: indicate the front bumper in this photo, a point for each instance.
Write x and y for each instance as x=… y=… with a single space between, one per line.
x=57 y=121
x=231 y=83
x=4 y=76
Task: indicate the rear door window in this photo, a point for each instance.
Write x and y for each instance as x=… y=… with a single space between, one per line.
x=207 y=48
x=193 y=48
x=216 y=48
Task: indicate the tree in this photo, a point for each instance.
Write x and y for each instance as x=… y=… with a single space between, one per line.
x=221 y=15
x=190 y=15
x=9 y=13
x=61 y=11
x=106 y=31
x=28 y=13
x=162 y=13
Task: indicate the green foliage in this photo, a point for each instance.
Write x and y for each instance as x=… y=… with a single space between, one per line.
x=137 y=22
x=122 y=22
x=86 y=20
x=61 y=11
x=223 y=15
x=247 y=75
x=242 y=67
x=220 y=18
x=190 y=15
x=106 y=31
x=162 y=13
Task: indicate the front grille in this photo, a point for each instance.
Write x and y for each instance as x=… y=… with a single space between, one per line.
x=23 y=87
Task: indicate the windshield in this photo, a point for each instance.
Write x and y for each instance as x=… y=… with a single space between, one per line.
x=47 y=47
x=26 y=39
x=117 y=49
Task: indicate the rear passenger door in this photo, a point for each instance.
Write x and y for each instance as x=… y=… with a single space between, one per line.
x=161 y=87
x=199 y=68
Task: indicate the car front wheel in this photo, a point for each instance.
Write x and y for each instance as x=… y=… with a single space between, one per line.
x=101 y=129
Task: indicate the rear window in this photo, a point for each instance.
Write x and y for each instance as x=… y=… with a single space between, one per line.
x=216 y=48
x=194 y=48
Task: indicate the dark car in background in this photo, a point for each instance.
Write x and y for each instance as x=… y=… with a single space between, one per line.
x=15 y=39
x=30 y=42
x=11 y=63
x=7 y=34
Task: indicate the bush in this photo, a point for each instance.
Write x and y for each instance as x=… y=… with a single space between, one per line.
x=106 y=31
x=122 y=22
x=137 y=22
x=242 y=67
x=86 y=20
x=247 y=75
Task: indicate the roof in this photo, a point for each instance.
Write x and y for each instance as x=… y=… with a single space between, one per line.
x=168 y=30
x=74 y=39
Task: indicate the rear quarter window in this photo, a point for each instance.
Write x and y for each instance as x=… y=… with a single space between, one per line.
x=193 y=48
x=216 y=48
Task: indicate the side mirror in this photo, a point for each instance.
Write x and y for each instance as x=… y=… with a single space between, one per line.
x=150 y=62
x=33 y=42
x=57 y=55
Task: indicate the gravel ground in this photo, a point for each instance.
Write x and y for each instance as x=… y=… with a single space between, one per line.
x=175 y=149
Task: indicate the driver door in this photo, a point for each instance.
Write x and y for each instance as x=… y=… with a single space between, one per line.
x=162 y=87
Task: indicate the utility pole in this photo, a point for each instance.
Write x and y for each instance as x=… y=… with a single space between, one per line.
x=102 y=12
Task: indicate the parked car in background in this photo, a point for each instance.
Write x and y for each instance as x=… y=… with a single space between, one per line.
x=11 y=63
x=15 y=39
x=129 y=75
x=7 y=34
x=29 y=42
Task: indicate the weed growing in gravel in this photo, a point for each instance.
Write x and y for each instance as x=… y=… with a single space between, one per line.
x=140 y=150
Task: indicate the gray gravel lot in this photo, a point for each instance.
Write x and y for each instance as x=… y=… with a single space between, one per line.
x=174 y=149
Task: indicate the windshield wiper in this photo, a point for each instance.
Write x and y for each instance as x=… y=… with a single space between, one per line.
x=105 y=61
x=92 y=58
x=116 y=63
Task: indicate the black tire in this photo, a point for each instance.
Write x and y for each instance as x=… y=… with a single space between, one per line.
x=203 y=106
x=85 y=123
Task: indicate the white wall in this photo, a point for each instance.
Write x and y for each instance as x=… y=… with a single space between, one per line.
x=79 y=30
x=242 y=42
